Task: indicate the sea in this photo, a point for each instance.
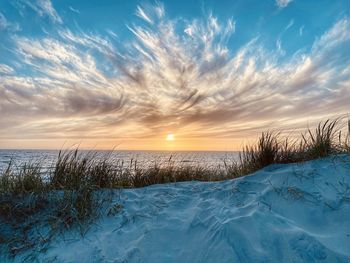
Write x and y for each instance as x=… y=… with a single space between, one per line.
x=143 y=159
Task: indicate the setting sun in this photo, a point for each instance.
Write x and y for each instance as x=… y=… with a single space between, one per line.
x=170 y=137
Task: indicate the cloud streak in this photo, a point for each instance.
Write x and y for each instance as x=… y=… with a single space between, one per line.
x=44 y=8
x=6 y=25
x=283 y=3
x=5 y=69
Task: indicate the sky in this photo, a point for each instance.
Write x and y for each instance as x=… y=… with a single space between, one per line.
x=211 y=74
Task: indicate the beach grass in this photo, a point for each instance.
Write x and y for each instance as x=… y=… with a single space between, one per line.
x=66 y=196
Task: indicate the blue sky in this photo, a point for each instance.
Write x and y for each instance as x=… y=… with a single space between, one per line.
x=130 y=72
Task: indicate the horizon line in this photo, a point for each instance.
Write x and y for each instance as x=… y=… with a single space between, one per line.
x=111 y=150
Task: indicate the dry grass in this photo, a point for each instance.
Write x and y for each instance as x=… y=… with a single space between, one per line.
x=326 y=139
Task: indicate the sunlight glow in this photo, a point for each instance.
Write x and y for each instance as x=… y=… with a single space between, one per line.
x=170 y=137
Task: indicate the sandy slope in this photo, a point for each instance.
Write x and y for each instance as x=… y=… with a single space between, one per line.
x=285 y=213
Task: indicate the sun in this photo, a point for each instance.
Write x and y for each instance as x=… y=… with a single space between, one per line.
x=170 y=137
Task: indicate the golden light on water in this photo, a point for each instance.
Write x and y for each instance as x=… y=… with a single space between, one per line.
x=170 y=137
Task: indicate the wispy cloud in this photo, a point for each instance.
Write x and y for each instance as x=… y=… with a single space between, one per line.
x=279 y=47
x=141 y=13
x=74 y=10
x=3 y=22
x=174 y=75
x=6 y=25
x=5 y=69
x=44 y=8
x=150 y=13
x=283 y=3
x=290 y=24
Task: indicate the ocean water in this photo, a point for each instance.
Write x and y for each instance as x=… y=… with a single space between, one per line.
x=142 y=159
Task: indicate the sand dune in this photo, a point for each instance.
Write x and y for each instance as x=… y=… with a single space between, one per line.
x=283 y=213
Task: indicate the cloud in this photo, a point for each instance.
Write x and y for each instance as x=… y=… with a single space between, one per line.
x=279 y=47
x=44 y=8
x=3 y=22
x=6 y=25
x=176 y=75
x=74 y=10
x=283 y=3
x=290 y=24
x=150 y=13
x=141 y=13
x=5 y=69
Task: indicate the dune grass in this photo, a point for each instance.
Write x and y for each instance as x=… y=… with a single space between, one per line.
x=66 y=196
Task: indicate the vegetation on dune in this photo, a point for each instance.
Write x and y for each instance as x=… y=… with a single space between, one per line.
x=66 y=196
